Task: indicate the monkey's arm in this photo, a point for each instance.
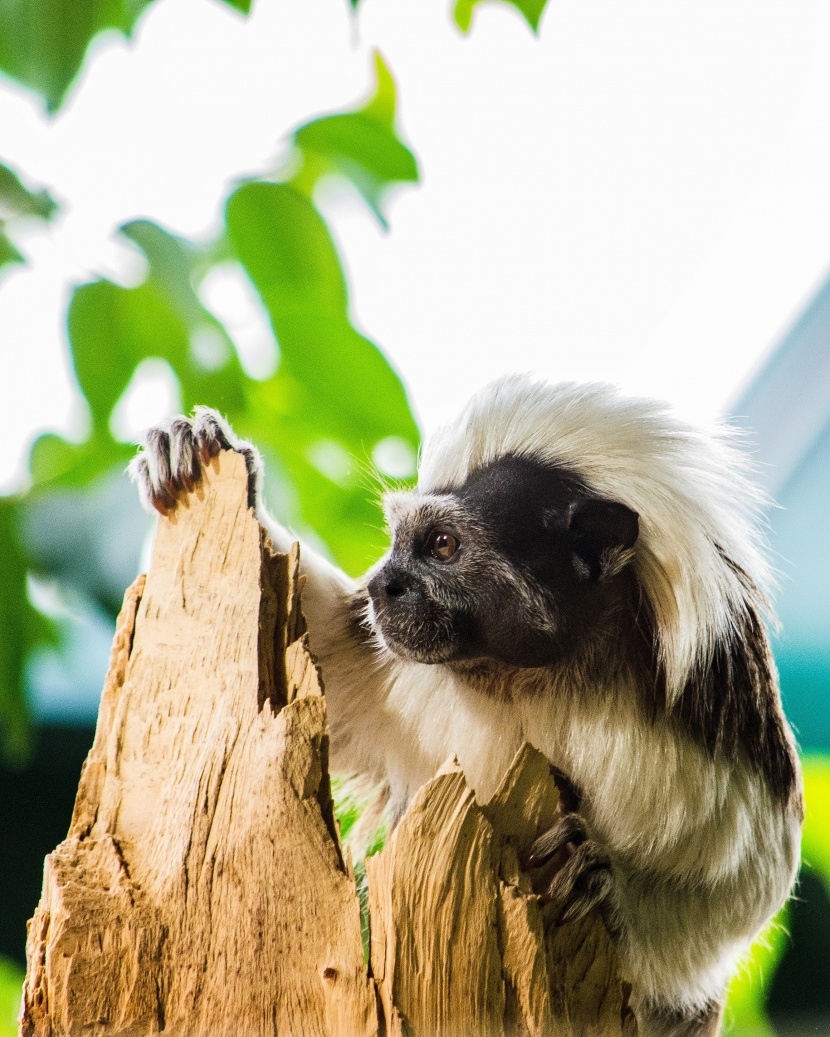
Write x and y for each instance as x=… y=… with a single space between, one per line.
x=356 y=676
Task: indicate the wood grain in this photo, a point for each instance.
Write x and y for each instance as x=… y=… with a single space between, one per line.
x=460 y=944
x=202 y=888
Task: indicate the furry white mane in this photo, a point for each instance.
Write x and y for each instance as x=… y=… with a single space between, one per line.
x=690 y=488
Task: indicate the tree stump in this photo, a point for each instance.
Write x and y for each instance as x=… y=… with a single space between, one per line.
x=203 y=888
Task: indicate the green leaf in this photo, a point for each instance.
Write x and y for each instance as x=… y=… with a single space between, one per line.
x=13 y=637
x=332 y=383
x=288 y=252
x=112 y=329
x=362 y=150
x=8 y=253
x=531 y=10
x=171 y=260
x=286 y=248
x=360 y=146
x=174 y=266
x=55 y=462
x=382 y=105
x=241 y=5
x=43 y=42
x=17 y=200
x=345 y=514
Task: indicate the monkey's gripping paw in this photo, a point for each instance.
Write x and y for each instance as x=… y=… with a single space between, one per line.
x=583 y=880
x=582 y=883
x=174 y=456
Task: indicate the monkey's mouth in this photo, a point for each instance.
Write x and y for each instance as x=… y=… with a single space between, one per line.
x=414 y=636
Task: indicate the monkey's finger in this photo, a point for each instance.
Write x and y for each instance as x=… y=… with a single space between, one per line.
x=210 y=434
x=569 y=829
x=561 y=885
x=140 y=472
x=589 y=891
x=580 y=884
x=213 y=435
x=185 y=466
x=162 y=491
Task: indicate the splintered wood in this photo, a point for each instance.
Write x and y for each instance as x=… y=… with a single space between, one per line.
x=459 y=941
x=202 y=888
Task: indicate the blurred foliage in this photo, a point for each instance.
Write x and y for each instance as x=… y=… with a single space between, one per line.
x=333 y=387
x=815 y=846
x=11 y=984
x=43 y=42
x=22 y=628
x=531 y=11
x=17 y=201
x=745 y=1012
x=320 y=417
x=349 y=806
x=325 y=418
x=361 y=145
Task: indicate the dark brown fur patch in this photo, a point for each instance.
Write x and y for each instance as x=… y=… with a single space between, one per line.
x=733 y=704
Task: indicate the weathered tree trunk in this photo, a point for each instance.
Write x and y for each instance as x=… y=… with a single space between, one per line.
x=202 y=888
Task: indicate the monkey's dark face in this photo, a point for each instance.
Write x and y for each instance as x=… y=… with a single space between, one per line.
x=516 y=565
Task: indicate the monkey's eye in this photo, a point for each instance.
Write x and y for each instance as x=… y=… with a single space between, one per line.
x=442 y=546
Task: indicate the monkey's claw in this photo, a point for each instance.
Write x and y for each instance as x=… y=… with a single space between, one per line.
x=569 y=829
x=584 y=879
x=174 y=456
x=582 y=883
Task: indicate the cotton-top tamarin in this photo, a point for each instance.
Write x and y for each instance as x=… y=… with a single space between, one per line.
x=583 y=572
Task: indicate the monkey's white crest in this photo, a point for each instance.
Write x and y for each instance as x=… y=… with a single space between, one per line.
x=697 y=507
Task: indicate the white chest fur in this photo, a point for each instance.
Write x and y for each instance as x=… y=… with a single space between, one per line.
x=650 y=792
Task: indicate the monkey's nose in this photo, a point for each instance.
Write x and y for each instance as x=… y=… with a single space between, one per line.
x=389 y=583
x=394 y=587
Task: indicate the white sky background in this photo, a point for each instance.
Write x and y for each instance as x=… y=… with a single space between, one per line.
x=639 y=195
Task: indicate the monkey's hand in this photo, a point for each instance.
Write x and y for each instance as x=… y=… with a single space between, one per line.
x=174 y=455
x=583 y=880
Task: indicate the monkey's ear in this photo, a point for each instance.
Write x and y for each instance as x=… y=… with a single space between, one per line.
x=608 y=521
x=600 y=530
